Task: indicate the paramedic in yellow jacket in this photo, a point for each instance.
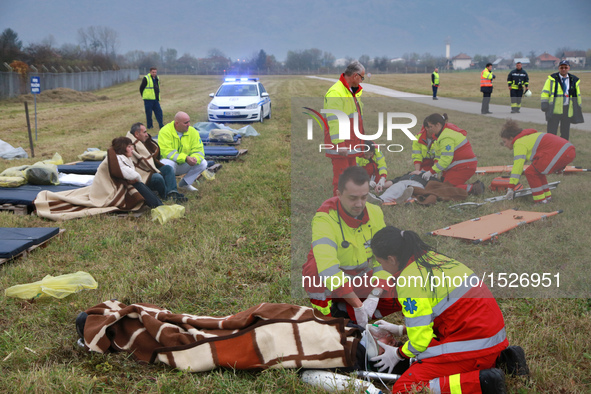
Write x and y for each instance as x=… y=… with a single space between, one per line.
x=455 y=328
x=374 y=163
x=341 y=276
x=182 y=149
x=344 y=96
x=548 y=154
x=561 y=96
x=423 y=152
x=454 y=158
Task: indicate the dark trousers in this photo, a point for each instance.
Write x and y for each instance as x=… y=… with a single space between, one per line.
x=149 y=106
x=485 y=102
x=163 y=183
x=564 y=124
x=434 y=90
x=516 y=95
x=151 y=199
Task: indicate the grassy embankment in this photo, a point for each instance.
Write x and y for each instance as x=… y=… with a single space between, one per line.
x=232 y=249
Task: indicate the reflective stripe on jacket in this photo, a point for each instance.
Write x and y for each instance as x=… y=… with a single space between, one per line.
x=541 y=149
x=455 y=319
x=452 y=148
x=486 y=78
x=517 y=79
x=375 y=166
x=335 y=263
x=177 y=149
x=553 y=84
x=422 y=148
x=149 y=93
x=340 y=97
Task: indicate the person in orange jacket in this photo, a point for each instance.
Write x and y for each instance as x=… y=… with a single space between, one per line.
x=456 y=330
x=454 y=158
x=548 y=154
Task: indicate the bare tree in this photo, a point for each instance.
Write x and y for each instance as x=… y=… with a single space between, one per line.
x=96 y=39
x=109 y=39
x=215 y=52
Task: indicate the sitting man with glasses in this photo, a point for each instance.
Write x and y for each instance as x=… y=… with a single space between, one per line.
x=344 y=96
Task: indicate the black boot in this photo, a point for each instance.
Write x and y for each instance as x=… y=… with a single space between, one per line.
x=492 y=381
x=512 y=361
x=80 y=322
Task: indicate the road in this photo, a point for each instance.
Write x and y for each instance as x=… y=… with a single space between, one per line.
x=498 y=111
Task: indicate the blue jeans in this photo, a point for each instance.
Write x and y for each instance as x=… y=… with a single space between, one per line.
x=149 y=106
x=151 y=199
x=163 y=183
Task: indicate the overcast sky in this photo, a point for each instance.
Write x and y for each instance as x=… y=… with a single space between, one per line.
x=344 y=28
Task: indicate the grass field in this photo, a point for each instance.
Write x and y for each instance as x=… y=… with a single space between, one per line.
x=246 y=234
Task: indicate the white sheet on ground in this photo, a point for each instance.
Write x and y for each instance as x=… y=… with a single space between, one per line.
x=75 y=179
x=246 y=131
x=9 y=152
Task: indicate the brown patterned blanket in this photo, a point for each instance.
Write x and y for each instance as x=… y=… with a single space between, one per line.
x=264 y=336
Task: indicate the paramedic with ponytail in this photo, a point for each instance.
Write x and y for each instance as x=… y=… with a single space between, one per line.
x=454 y=158
x=341 y=276
x=423 y=152
x=455 y=328
x=548 y=154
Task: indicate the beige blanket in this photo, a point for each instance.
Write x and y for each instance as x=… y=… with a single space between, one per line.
x=264 y=336
x=109 y=192
x=145 y=157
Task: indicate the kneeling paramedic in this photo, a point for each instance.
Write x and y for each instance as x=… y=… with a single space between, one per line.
x=340 y=270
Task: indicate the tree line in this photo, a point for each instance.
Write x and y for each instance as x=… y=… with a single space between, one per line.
x=97 y=48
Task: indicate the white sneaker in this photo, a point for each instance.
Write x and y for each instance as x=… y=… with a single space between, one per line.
x=188 y=189
x=406 y=194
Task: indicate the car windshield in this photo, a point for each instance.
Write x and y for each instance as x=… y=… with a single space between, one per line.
x=237 y=90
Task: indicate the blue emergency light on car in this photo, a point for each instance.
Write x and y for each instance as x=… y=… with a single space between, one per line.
x=230 y=79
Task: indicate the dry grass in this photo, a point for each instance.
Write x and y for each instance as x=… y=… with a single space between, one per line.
x=197 y=265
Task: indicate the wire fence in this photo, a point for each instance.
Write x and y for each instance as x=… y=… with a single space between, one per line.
x=13 y=84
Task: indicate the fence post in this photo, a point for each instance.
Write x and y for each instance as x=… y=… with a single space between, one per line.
x=29 y=128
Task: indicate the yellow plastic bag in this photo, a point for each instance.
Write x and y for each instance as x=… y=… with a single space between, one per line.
x=209 y=175
x=12 y=181
x=15 y=171
x=42 y=174
x=95 y=155
x=164 y=213
x=58 y=286
x=56 y=159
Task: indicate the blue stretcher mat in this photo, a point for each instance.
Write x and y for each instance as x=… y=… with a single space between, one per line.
x=82 y=168
x=35 y=234
x=12 y=247
x=220 y=151
x=26 y=194
x=15 y=240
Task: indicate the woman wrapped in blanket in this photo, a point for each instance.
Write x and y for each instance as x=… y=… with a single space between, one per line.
x=548 y=154
x=455 y=328
x=454 y=158
x=123 y=147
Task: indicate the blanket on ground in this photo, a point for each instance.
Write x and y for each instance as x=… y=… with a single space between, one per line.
x=109 y=192
x=264 y=336
x=438 y=191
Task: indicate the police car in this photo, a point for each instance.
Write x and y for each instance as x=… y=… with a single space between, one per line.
x=239 y=100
